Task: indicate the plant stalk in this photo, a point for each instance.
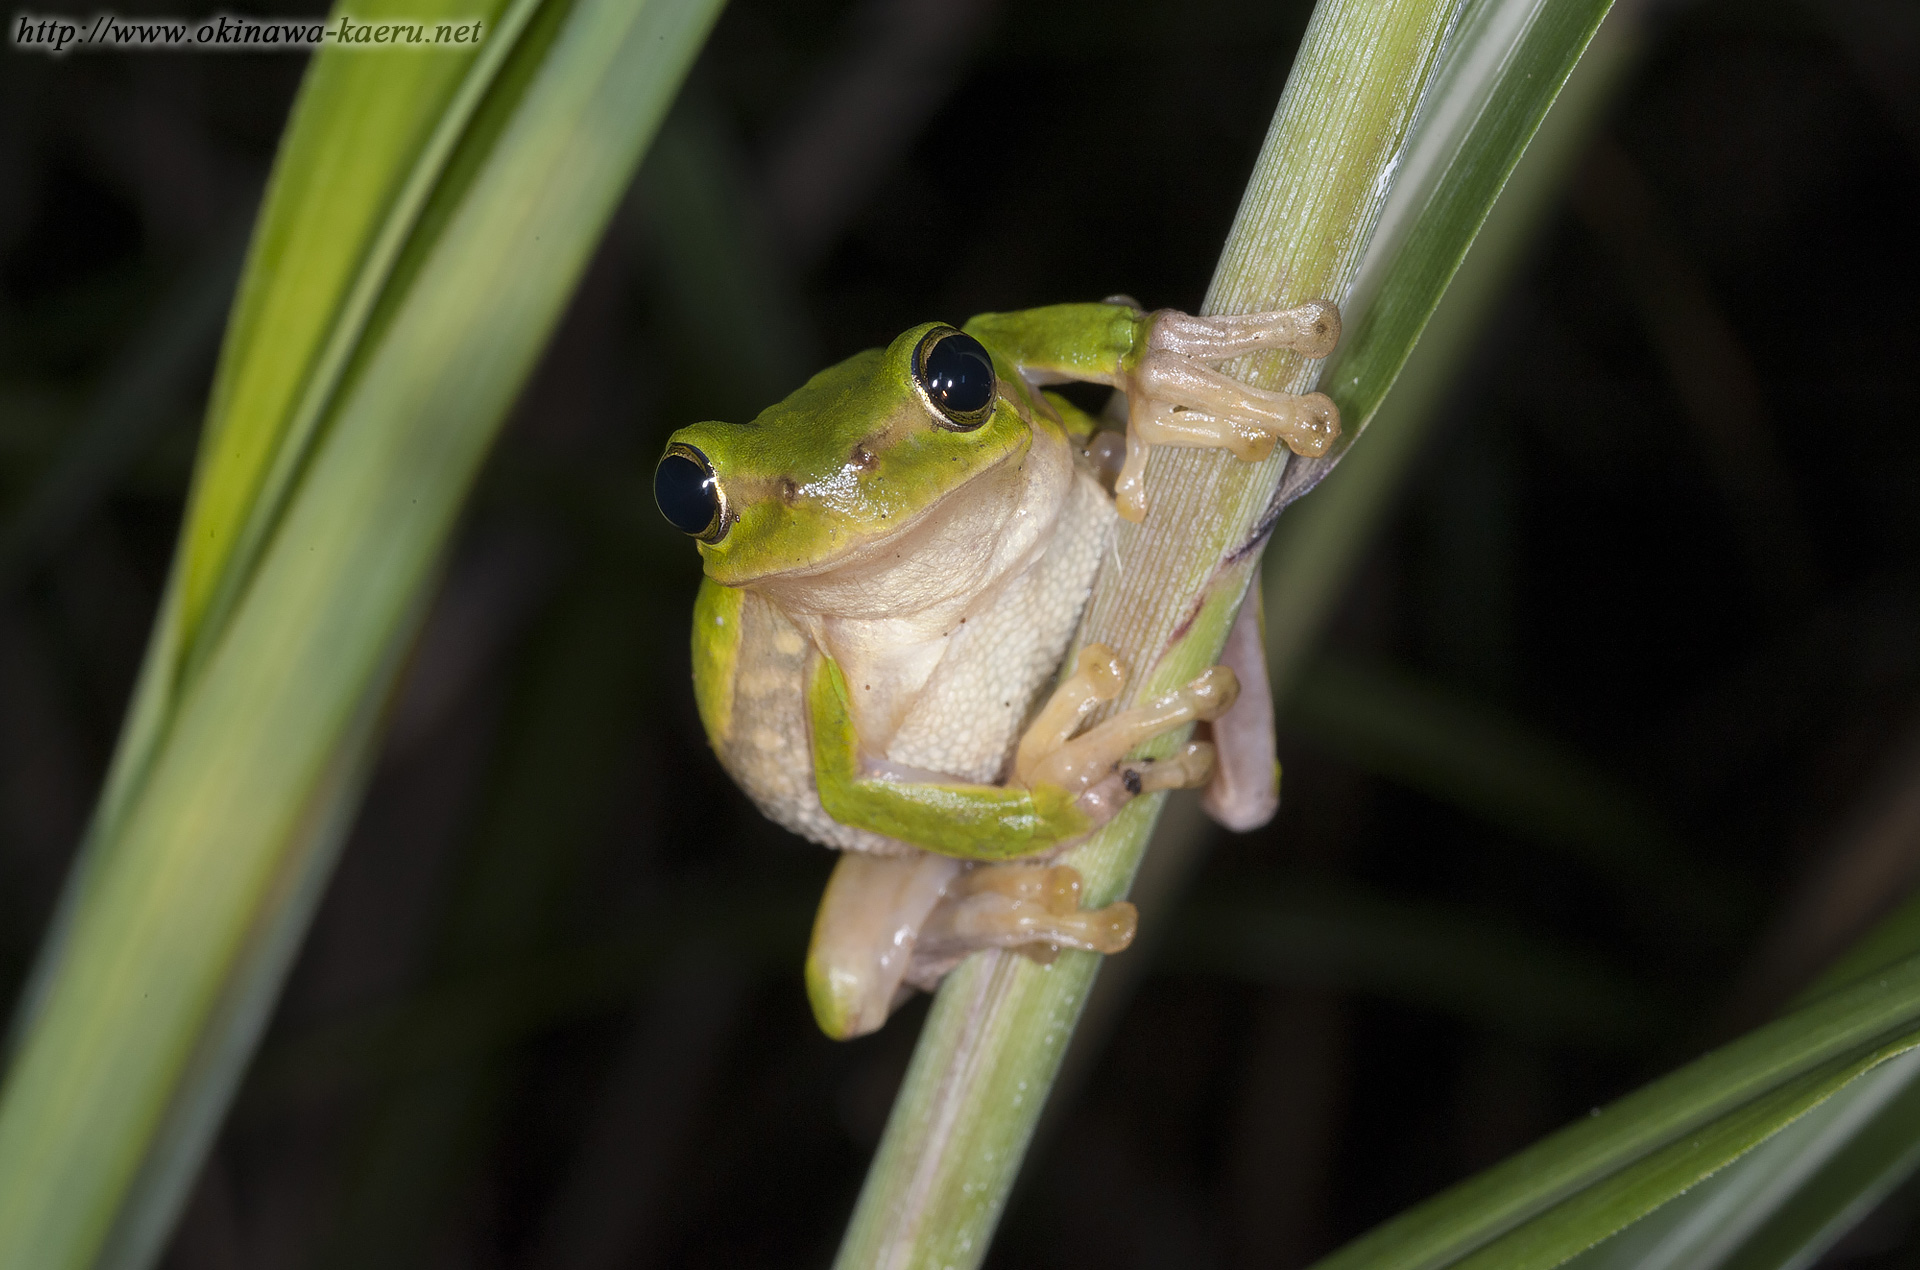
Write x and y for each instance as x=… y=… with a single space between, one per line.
x=1165 y=600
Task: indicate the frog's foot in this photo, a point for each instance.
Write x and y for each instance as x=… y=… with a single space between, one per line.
x=1031 y=909
x=888 y=924
x=1093 y=767
x=1174 y=398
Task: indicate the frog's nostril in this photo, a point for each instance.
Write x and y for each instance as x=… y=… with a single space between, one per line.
x=688 y=493
x=958 y=376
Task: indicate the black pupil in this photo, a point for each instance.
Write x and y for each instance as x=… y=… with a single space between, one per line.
x=686 y=494
x=959 y=375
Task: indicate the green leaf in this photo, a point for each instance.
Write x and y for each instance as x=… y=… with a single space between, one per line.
x=1505 y=63
x=1767 y=1190
x=427 y=219
x=1602 y=1209
x=1601 y=1174
x=1787 y=1200
x=1874 y=1157
x=1319 y=544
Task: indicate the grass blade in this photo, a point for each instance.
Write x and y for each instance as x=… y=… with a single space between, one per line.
x=1877 y=1157
x=1794 y=1194
x=1704 y=1153
x=992 y=1044
x=1600 y=1174
x=1715 y=1219
x=1318 y=546
x=426 y=222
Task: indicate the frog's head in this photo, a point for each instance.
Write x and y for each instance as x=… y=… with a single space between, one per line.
x=856 y=456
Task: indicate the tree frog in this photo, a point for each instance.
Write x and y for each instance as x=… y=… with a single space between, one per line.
x=896 y=559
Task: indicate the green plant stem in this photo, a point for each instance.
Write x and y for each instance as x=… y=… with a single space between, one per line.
x=993 y=1041
x=1318 y=546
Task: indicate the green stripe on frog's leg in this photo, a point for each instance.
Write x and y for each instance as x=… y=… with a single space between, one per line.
x=716 y=655
x=972 y=822
x=1098 y=343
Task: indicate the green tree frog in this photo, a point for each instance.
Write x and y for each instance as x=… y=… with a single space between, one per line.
x=896 y=559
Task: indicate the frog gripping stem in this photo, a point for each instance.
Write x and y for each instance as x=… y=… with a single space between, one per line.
x=1174 y=397
x=1093 y=767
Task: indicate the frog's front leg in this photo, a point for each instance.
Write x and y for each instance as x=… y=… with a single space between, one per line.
x=1162 y=362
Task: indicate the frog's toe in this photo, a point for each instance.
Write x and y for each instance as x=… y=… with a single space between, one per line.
x=1098 y=675
x=1311 y=329
x=1190 y=768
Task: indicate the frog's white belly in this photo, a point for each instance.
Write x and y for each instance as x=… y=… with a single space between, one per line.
x=967 y=719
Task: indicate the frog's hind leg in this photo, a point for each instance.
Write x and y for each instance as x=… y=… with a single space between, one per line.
x=1032 y=909
x=1244 y=793
x=865 y=934
x=888 y=924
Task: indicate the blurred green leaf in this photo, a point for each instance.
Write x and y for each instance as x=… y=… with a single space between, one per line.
x=426 y=222
x=727 y=295
x=1300 y=931
x=484 y=1010
x=152 y=374
x=1462 y=752
x=1308 y=931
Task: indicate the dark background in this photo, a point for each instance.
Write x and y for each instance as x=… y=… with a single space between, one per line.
x=550 y=1013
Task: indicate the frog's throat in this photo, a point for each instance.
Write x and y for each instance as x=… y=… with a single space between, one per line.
x=960 y=546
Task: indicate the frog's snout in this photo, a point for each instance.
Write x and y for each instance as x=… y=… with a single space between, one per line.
x=689 y=494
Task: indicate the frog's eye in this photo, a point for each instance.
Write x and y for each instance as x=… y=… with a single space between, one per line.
x=689 y=494
x=957 y=375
